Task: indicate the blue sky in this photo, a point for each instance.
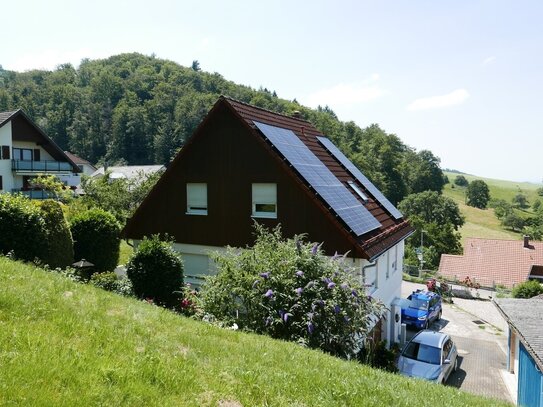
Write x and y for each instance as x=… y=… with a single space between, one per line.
x=461 y=78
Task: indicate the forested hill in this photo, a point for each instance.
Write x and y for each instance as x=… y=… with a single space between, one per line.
x=139 y=109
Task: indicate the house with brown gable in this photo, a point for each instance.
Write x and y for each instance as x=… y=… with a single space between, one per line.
x=493 y=262
x=26 y=152
x=246 y=164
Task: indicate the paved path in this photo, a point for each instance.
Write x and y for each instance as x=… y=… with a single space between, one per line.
x=481 y=346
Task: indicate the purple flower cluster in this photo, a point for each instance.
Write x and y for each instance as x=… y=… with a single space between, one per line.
x=269 y=294
x=299 y=291
x=299 y=273
x=265 y=275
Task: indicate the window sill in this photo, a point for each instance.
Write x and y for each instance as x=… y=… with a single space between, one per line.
x=264 y=216
x=196 y=213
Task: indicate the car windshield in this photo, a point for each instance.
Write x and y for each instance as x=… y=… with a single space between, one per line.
x=419 y=304
x=423 y=353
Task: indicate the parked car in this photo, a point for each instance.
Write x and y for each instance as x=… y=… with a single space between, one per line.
x=423 y=308
x=429 y=355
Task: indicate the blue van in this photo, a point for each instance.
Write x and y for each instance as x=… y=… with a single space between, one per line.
x=423 y=308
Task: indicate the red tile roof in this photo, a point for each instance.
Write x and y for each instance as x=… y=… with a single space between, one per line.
x=373 y=243
x=491 y=262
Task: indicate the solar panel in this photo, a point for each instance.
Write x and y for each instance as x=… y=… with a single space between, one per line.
x=372 y=189
x=321 y=179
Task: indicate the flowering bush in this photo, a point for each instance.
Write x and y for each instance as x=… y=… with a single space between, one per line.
x=289 y=290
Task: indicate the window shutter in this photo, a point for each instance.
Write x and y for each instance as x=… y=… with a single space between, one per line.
x=264 y=193
x=5 y=152
x=37 y=154
x=197 y=198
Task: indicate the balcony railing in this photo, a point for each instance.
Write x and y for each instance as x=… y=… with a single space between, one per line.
x=40 y=166
x=34 y=193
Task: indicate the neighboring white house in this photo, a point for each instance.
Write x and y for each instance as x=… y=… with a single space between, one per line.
x=26 y=152
x=74 y=180
x=245 y=164
x=127 y=171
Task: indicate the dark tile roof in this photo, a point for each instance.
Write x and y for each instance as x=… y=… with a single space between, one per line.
x=373 y=243
x=525 y=317
x=4 y=116
x=491 y=261
x=78 y=160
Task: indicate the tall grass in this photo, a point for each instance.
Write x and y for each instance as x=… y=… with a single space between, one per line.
x=64 y=343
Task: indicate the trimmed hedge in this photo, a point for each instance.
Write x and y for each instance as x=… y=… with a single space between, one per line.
x=156 y=272
x=59 y=243
x=22 y=228
x=96 y=238
x=527 y=289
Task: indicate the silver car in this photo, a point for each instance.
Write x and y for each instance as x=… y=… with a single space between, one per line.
x=429 y=355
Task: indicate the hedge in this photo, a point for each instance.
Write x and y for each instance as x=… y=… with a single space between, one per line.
x=59 y=243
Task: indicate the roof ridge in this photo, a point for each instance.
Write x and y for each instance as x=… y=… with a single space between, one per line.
x=265 y=110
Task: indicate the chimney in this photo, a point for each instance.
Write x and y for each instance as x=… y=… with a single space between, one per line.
x=526 y=241
x=296 y=114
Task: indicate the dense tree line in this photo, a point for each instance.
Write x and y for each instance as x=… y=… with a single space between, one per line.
x=139 y=109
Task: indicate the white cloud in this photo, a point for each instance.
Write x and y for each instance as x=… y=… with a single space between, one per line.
x=489 y=60
x=456 y=97
x=346 y=93
x=51 y=58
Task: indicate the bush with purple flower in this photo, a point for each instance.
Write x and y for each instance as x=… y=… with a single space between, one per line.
x=289 y=289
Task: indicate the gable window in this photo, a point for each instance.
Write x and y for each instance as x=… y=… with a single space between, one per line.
x=196 y=198
x=358 y=191
x=264 y=202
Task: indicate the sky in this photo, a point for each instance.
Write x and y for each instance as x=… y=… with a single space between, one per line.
x=463 y=78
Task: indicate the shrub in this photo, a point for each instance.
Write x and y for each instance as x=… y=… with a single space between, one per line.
x=527 y=289
x=156 y=272
x=289 y=290
x=461 y=181
x=22 y=228
x=59 y=244
x=110 y=282
x=96 y=238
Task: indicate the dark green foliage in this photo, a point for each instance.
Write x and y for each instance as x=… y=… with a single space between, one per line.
x=289 y=290
x=527 y=289
x=461 y=181
x=96 y=238
x=520 y=201
x=377 y=355
x=536 y=206
x=142 y=109
x=513 y=221
x=22 y=228
x=440 y=219
x=59 y=244
x=478 y=194
x=540 y=191
x=156 y=272
x=432 y=207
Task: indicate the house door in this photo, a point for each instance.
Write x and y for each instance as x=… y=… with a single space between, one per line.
x=530 y=381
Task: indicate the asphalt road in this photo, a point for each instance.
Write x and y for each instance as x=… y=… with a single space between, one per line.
x=481 y=349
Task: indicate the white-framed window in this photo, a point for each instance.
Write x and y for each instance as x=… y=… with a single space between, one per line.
x=358 y=190
x=196 y=199
x=264 y=201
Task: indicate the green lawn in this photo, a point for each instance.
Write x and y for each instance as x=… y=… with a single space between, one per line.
x=482 y=222
x=64 y=343
x=125 y=251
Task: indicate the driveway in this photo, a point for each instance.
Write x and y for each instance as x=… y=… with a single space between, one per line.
x=481 y=345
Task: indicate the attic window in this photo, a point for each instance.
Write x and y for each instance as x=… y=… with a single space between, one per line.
x=196 y=199
x=358 y=191
x=264 y=202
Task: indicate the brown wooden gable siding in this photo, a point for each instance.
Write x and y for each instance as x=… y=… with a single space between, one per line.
x=232 y=154
x=228 y=157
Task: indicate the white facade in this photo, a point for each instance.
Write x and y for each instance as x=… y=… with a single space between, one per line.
x=383 y=278
x=5 y=165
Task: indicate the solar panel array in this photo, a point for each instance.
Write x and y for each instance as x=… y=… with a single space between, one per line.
x=321 y=179
x=355 y=172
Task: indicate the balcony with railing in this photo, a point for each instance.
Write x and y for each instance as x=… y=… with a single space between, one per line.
x=40 y=166
x=34 y=193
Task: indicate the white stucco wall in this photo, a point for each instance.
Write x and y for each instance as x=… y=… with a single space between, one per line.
x=5 y=165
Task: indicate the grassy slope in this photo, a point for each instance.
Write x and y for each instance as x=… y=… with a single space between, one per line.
x=63 y=343
x=483 y=223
